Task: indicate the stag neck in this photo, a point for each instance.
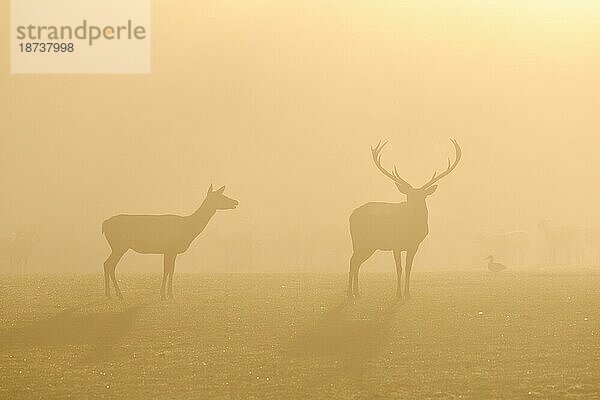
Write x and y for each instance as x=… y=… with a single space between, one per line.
x=418 y=212
x=416 y=203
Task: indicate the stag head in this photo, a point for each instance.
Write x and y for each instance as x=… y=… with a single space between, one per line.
x=412 y=193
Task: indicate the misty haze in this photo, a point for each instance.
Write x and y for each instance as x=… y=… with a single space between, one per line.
x=310 y=200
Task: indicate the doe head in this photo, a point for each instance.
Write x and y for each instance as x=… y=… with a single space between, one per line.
x=219 y=201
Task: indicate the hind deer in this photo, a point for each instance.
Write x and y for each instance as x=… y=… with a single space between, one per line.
x=169 y=235
x=393 y=227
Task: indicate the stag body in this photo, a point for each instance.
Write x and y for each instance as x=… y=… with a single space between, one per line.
x=169 y=235
x=393 y=227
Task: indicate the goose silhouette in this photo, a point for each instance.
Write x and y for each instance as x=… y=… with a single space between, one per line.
x=494 y=266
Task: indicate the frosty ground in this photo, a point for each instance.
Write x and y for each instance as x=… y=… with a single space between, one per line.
x=530 y=334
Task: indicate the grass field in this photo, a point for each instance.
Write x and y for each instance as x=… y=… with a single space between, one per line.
x=282 y=336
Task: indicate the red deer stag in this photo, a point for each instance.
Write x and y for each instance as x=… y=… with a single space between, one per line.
x=393 y=227
x=169 y=235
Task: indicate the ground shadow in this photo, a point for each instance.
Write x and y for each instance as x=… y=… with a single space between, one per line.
x=350 y=341
x=97 y=332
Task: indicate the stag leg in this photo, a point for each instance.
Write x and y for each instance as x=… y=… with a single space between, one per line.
x=410 y=256
x=398 y=260
x=355 y=262
x=355 y=290
x=350 y=277
x=106 y=279
x=109 y=271
x=169 y=265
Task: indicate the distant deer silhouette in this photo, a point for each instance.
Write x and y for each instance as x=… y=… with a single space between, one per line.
x=558 y=239
x=6 y=244
x=589 y=245
x=18 y=249
x=169 y=235
x=393 y=227
x=21 y=249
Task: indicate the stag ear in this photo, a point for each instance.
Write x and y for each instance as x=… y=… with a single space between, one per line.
x=402 y=188
x=210 y=189
x=430 y=190
x=221 y=190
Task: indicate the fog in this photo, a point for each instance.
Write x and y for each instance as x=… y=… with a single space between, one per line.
x=281 y=102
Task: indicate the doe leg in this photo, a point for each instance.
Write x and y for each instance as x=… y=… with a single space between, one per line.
x=171 y=272
x=351 y=276
x=169 y=262
x=107 y=278
x=114 y=280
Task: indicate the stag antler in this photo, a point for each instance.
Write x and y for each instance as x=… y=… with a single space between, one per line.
x=394 y=176
x=451 y=166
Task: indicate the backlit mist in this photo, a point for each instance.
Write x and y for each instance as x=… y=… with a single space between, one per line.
x=281 y=102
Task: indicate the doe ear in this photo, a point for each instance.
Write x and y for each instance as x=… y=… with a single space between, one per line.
x=430 y=190
x=221 y=190
x=210 y=189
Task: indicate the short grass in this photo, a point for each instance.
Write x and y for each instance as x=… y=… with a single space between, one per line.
x=293 y=336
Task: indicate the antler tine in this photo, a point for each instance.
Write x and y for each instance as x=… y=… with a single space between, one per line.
x=450 y=168
x=394 y=176
x=377 y=149
x=433 y=176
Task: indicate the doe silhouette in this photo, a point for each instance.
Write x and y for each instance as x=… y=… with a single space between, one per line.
x=169 y=235
x=393 y=227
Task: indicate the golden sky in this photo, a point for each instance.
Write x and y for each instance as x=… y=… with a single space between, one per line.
x=280 y=101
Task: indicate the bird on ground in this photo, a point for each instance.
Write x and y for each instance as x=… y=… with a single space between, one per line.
x=494 y=266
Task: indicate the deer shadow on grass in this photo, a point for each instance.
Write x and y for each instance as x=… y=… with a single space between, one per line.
x=351 y=342
x=98 y=334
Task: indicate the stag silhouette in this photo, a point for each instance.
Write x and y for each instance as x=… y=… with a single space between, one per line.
x=169 y=235
x=393 y=227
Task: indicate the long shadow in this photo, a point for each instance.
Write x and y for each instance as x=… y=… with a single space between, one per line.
x=98 y=330
x=350 y=341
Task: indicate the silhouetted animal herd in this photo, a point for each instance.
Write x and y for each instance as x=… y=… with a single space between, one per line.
x=16 y=250
x=545 y=244
x=396 y=227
